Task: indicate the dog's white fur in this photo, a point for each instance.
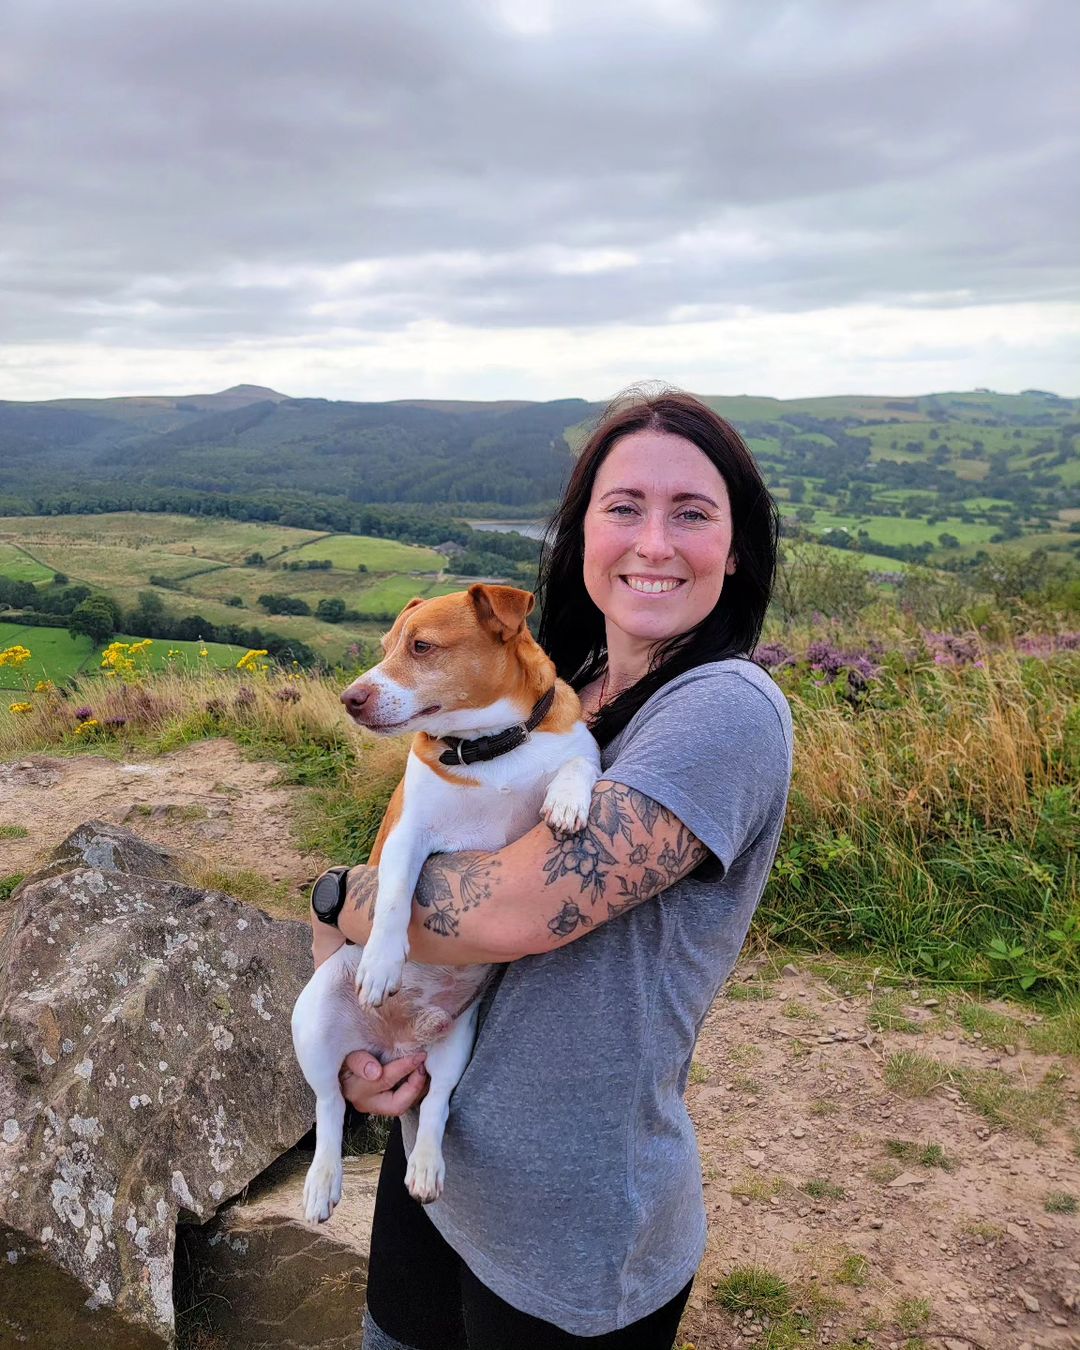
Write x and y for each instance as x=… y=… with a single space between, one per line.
x=342 y=1008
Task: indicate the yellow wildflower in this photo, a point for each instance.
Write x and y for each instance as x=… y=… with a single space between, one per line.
x=43 y=686
x=203 y=651
x=251 y=661
x=15 y=656
x=91 y=724
x=20 y=707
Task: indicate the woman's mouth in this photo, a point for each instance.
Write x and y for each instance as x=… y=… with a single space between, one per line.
x=652 y=585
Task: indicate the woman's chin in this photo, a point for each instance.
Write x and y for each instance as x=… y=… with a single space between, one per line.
x=652 y=627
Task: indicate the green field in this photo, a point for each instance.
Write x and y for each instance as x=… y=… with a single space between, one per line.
x=210 y=537
x=900 y=530
x=19 y=566
x=55 y=655
x=58 y=656
x=348 y=551
x=202 y=559
x=393 y=593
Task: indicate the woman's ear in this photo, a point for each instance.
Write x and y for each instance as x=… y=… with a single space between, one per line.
x=729 y=566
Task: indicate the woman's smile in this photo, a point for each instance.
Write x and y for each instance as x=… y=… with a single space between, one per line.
x=652 y=585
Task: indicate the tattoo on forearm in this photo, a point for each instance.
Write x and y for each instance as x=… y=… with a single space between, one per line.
x=363 y=888
x=450 y=885
x=620 y=811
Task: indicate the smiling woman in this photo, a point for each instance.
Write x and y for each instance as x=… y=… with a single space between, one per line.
x=573 y=1211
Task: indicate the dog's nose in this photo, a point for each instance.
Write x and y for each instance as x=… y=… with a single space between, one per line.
x=355 y=697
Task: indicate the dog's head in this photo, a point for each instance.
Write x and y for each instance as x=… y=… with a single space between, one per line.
x=462 y=664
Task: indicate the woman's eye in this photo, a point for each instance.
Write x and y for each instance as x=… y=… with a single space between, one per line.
x=694 y=515
x=622 y=509
x=420 y=647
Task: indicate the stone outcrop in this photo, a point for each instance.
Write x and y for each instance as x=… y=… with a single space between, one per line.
x=146 y=1074
x=257 y=1276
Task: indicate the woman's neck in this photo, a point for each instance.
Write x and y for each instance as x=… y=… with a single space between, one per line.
x=628 y=659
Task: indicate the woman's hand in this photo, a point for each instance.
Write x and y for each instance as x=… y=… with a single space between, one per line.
x=383 y=1089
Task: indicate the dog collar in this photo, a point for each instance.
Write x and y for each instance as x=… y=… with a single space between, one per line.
x=491 y=747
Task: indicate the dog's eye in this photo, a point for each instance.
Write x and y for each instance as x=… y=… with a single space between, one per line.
x=419 y=647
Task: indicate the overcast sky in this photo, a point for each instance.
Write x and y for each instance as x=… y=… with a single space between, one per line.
x=538 y=198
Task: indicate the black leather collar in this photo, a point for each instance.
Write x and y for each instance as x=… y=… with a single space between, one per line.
x=491 y=747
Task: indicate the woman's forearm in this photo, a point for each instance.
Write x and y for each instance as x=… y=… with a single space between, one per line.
x=541 y=891
x=449 y=886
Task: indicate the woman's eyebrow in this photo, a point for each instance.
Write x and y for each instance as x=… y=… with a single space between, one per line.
x=675 y=496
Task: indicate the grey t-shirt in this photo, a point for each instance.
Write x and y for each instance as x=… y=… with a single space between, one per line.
x=573 y=1185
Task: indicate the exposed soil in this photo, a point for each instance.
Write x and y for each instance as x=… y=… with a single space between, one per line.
x=205 y=798
x=779 y=1100
x=787 y=1100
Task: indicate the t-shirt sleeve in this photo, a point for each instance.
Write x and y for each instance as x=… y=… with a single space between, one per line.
x=715 y=749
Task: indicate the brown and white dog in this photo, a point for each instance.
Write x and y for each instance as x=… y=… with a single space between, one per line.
x=465 y=674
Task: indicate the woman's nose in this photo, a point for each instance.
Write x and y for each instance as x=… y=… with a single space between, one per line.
x=652 y=540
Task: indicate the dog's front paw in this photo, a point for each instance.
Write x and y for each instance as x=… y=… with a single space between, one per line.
x=425 y=1173
x=379 y=975
x=322 y=1189
x=566 y=807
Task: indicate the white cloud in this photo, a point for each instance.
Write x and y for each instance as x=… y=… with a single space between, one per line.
x=851 y=349
x=538 y=197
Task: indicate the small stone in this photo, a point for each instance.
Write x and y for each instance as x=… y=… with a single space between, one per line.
x=1030 y=1302
x=789 y=969
x=907 y=1179
x=798 y=1132
x=877 y=1223
x=931 y=1003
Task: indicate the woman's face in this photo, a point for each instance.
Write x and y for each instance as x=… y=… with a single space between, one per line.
x=657 y=536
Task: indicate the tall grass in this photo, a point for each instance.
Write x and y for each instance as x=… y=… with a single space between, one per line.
x=935 y=818
x=933 y=823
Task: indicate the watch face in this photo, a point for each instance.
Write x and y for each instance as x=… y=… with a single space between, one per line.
x=326 y=892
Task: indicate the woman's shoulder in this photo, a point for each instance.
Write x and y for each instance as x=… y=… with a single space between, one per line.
x=735 y=678
x=718 y=703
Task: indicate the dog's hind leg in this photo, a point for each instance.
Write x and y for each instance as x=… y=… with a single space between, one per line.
x=322 y=1187
x=446 y=1061
x=321 y=1044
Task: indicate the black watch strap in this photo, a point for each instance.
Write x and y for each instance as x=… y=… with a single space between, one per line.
x=328 y=894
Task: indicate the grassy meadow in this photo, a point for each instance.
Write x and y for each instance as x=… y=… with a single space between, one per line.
x=199 y=567
x=934 y=814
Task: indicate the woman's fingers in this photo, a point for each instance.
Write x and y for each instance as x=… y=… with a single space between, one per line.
x=407 y=1094
x=383 y=1089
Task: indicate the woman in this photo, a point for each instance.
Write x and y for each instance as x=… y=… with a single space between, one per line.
x=573 y=1212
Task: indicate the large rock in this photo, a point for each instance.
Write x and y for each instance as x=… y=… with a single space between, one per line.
x=146 y=1073
x=257 y=1277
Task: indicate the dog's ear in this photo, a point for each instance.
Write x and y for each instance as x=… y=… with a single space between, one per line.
x=502 y=609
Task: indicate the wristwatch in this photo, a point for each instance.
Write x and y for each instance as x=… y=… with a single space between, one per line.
x=328 y=894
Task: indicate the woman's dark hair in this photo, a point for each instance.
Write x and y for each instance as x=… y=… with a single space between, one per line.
x=571 y=627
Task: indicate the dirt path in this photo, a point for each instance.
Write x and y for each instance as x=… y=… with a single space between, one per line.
x=791 y=1089
x=206 y=798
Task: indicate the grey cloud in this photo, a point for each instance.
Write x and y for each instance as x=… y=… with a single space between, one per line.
x=876 y=153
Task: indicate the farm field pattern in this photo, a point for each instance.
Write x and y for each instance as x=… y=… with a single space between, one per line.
x=202 y=560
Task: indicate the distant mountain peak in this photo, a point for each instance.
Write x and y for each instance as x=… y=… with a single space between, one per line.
x=259 y=391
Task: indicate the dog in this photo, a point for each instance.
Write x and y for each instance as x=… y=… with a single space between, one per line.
x=498 y=744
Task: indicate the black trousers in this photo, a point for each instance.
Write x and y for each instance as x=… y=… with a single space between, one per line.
x=421 y=1294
